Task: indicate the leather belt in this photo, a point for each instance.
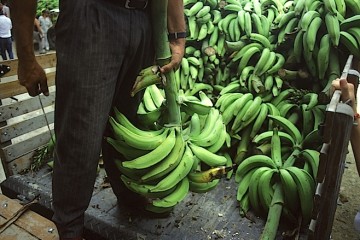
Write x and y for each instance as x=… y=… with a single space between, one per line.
x=134 y=4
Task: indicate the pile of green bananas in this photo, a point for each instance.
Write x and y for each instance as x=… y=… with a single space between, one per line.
x=252 y=74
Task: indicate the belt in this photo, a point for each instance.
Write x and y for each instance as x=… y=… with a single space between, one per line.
x=134 y=4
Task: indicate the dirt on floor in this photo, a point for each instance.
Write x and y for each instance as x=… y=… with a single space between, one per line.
x=348 y=203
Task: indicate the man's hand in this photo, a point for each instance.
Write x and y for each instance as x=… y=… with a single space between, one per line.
x=177 y=48
x=347 y=91
x=32 y=76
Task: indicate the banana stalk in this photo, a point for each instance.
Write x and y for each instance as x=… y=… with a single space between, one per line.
x=274 y=214
x=163 y=56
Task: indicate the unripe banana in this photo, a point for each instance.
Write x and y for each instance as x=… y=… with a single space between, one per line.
x=155 y=155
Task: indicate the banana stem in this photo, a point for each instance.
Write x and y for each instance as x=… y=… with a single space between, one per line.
x=274 y=214
x=163 y=56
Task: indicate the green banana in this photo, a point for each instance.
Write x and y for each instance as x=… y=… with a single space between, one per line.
x=149 y=101
x=135 y=140
x=207 y=157
x=306 y=189
x=312 y=157
x=330 y=6
x=265 y=189
x=239 y=114
x=266 y=136
x=350 y=43
x=307 y=18
x=254 y=188
x=312 y=32
x=290 y=190
x=155 y=156
x=209 y=175
x=264 y=58
x=288 y=127
x=220 y=141
x=298 y=46
x=175 y=197
x=143 y=189
x=145 y=80
x=122 y=120
x=203 y=187
x=176 y=175
x=283 y=96
x=259 y=121
x=246 y=58
x=127 y=151
x=353 y=6
x=276 y=148
x=323 y=56
x=333 y=28
x=254 y=161
x=195 y=9
x=169 y=162
x=280 y=60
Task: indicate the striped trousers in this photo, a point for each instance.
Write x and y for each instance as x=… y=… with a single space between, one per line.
x=100 y=47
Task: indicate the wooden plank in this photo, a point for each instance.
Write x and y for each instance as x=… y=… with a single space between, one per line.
x=17 y=150
x=20 y=164
x=45 y=60
x=25 y=106
x=11 y=131
x=30 y=221
x=13 y=88
x=14 y=232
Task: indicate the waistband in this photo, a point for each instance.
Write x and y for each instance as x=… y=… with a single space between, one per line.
x=131 y=4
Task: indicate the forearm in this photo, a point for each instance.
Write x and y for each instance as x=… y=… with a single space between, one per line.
x=23 y=15
x=355 y=143
x=176 y=20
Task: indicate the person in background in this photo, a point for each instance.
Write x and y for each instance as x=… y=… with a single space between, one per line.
x=38 y=36
x=6 y=9
x=45 y=24
x=5 y=37
x=101 y=46
x=348 y=92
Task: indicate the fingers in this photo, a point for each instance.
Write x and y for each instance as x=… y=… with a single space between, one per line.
x=38 y=88
x=44 y=86
x=173 y=65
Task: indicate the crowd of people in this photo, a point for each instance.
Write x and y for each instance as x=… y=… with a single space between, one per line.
x=41 y=26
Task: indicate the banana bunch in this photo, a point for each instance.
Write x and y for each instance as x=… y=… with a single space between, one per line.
x=164 y=165
x=200 y=18
x=157 y=162
x=258 y=176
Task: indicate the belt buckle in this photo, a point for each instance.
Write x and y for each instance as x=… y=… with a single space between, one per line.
x=127 y=4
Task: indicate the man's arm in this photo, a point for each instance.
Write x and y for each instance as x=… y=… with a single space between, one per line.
x=30 y=73
x=348 y=93
x=176 y=23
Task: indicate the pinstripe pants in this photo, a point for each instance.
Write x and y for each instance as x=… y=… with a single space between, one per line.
x=101 y=46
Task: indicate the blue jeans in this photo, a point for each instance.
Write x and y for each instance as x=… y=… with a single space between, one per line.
x=6 y=46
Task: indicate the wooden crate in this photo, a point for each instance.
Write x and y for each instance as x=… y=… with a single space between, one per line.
x=29 y=225
x=23 y=127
